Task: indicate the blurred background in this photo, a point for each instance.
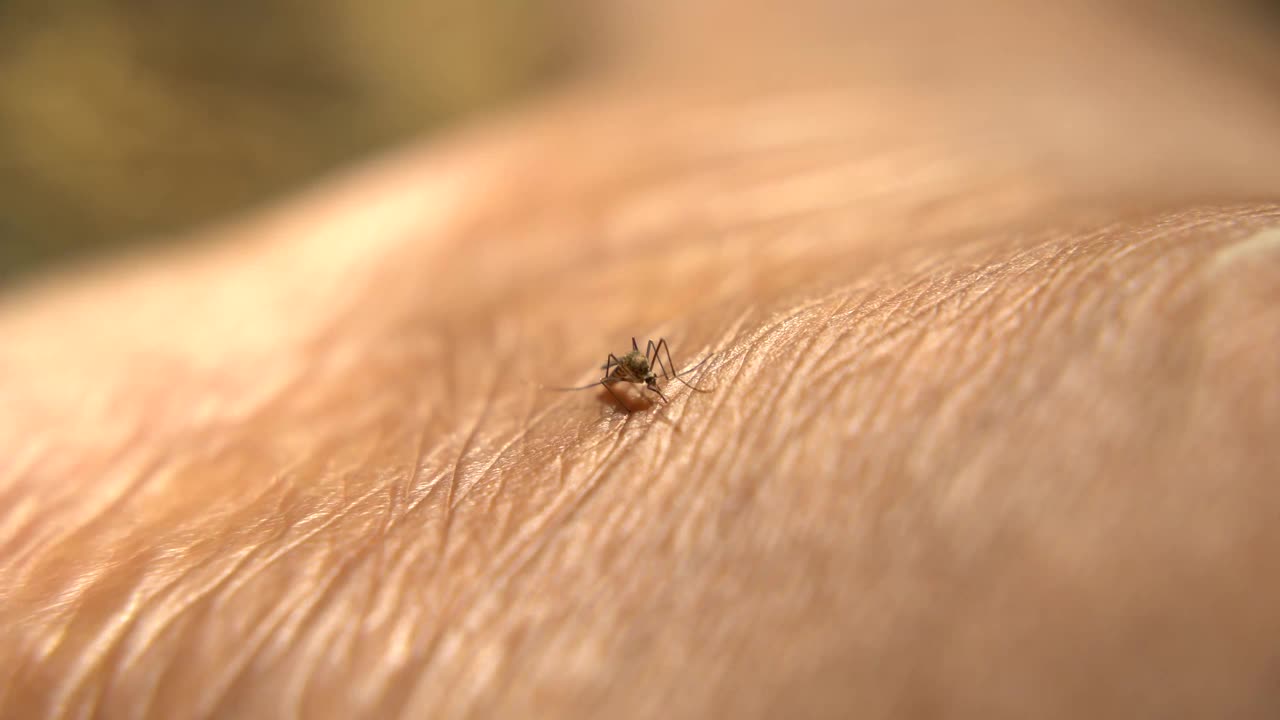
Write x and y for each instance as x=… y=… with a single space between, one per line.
x=125 y=122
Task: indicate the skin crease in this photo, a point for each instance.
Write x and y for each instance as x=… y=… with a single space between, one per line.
x=994 y=326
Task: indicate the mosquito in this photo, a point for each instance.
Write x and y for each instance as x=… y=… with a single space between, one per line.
x=638 y=368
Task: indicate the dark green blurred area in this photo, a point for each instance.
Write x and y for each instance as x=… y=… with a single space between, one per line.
x=126 y=120
x=129 y=121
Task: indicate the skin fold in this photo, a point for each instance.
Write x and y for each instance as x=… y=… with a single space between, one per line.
x=991 y=300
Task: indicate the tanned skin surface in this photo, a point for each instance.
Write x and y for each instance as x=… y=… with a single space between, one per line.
x=993 y=293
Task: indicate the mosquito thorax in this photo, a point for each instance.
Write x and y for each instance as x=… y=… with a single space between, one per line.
x=635 y=363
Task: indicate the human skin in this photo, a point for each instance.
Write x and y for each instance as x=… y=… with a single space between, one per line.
x=993 y=327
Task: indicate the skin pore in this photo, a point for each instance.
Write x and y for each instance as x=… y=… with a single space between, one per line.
x=992 y=299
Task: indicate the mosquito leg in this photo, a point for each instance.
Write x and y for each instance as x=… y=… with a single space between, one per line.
x=634 y=346
x=617 y=366
x=663 y=344
x=607 y=386
x=657 y=360
x=606 y=367
x=699 y=364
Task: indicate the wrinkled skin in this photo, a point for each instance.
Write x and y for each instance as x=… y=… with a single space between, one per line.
x=995 y=337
